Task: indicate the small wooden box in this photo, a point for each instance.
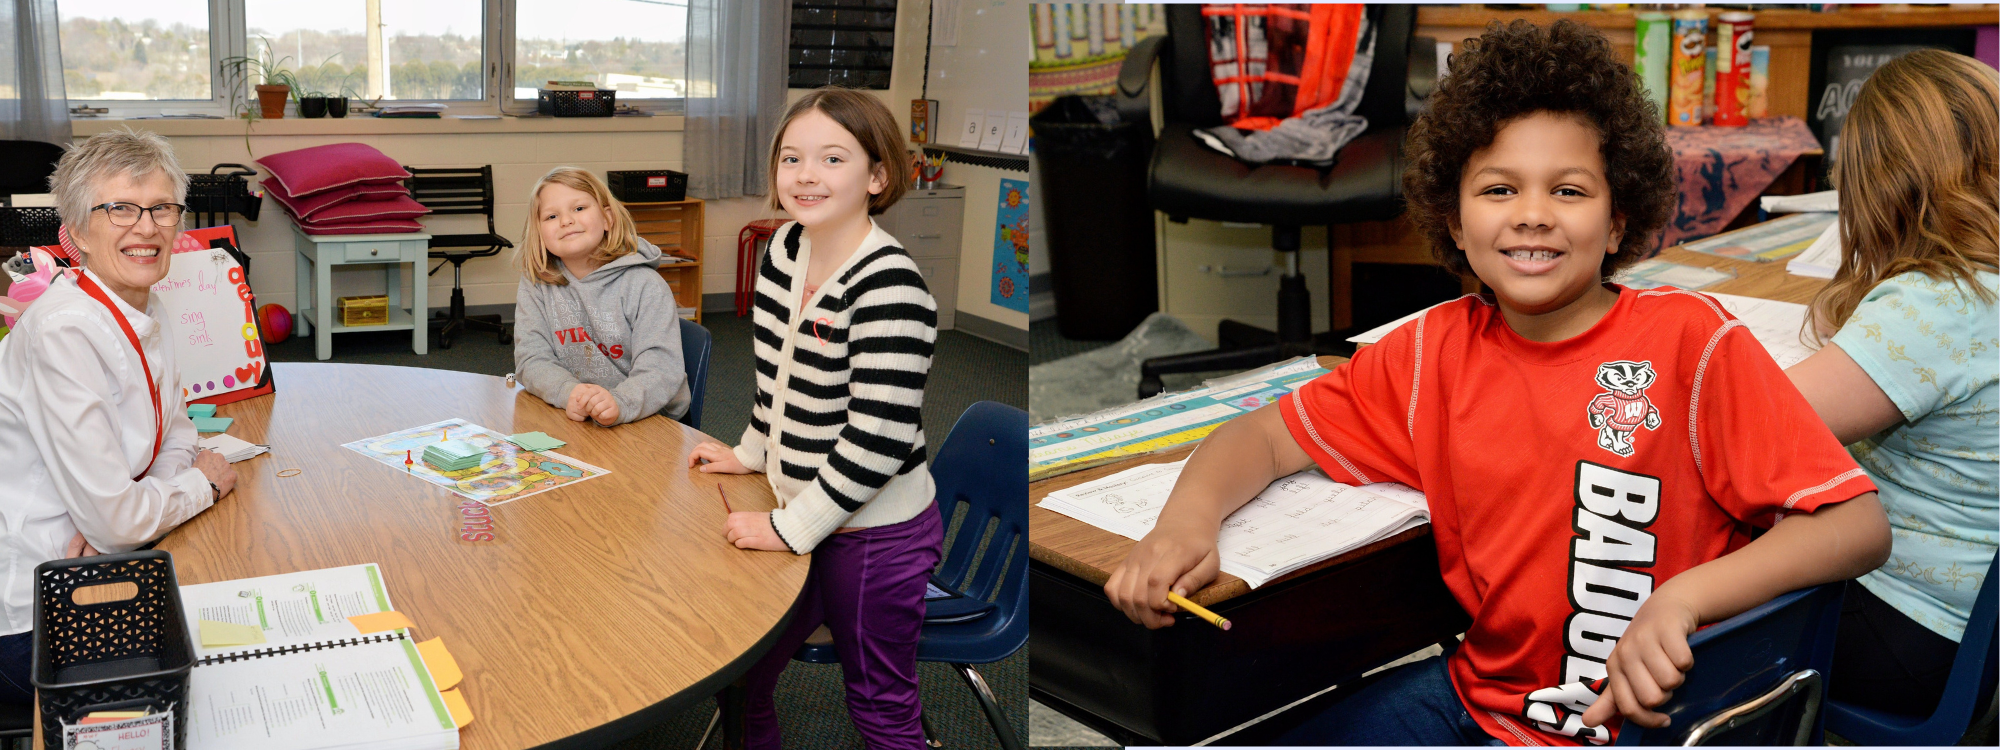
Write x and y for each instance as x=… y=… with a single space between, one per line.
x=370 y=310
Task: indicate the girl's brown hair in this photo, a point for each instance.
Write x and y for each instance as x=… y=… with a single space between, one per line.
x=1918 y=170
x=620 y=239
x=871 y=123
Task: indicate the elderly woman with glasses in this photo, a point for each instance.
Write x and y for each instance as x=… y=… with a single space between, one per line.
x=95 y=439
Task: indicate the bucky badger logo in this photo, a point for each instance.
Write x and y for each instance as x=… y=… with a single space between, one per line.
x=1623 y=408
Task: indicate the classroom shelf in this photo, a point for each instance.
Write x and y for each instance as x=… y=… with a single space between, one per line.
x=399 y=320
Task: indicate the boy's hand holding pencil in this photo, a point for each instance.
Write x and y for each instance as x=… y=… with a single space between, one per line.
x=1170 y=559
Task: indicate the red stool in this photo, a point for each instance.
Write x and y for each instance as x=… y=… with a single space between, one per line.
x=754 y=232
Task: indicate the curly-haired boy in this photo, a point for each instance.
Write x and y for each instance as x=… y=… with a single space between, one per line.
x=1594 y=456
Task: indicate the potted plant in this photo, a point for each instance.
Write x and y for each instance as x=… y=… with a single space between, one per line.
x=275 y=82
x=312 y=105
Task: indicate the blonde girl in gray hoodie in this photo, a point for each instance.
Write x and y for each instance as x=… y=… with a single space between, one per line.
x=595 y=332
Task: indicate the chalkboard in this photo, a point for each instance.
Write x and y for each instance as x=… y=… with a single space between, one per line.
x=1844 y=59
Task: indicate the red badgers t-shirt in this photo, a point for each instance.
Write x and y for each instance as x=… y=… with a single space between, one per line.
x=1567 y=480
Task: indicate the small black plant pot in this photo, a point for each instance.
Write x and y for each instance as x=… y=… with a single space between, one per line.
x=312 y=106
x=336 y=106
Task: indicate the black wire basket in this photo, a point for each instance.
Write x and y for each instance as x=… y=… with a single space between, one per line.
x=213 y=196
x=128 y=654
x=28 y=227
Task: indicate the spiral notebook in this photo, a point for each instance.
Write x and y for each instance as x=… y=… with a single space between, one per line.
x=317 y=682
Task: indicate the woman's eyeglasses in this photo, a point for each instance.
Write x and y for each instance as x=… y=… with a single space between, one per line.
x=127 y=214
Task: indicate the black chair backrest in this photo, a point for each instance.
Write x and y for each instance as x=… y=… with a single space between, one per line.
x=695 y=346
x=25 y=166
x=454 y=190
x=1187 y=84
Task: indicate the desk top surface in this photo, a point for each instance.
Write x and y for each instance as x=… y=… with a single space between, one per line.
x=1090 y=553
x=594 y=602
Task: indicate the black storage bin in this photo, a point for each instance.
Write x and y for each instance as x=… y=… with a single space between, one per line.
x=599 y=103
x=1100 y=227
x=648 y=185
x=126 y=655
x=212 y=197
x=28 y=227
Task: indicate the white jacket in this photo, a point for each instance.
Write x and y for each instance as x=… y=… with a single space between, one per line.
x=76 y=423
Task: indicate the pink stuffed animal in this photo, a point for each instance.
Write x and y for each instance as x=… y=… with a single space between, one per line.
x=29 y=288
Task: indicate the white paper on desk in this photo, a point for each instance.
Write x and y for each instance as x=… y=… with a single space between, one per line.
x=1820 y=259
x=1822 y=201
x=1297 y=521
x=292 y=609
x=975 y=123
x=364 y=695
x=1777 y=325
x=233 y=449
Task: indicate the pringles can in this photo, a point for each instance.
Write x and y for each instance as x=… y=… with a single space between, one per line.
x=1653 y=48
x=1690 y=59
x=1732 y=71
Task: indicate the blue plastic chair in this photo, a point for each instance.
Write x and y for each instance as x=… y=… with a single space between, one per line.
x=983 y=464
x=695 y=345
x=1758 y=677
x=1972 y=676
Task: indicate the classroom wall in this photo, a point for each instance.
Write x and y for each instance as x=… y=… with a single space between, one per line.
x=987 y=69
x=520 y=151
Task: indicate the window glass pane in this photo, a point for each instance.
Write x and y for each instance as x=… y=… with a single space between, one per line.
x=431 y=49
x=643 y=55
x=115 y=49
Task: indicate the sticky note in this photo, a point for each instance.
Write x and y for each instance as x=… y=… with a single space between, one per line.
x=216 y=634
x=201 y=410
x=444 y=668
x=116 y=714
x=212 y=424
x=454 y=702
x=381 y=621
x=536 y=441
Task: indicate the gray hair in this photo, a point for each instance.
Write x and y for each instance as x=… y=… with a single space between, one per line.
x=107 y=154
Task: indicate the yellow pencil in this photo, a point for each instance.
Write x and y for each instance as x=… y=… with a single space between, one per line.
x=1198 y=610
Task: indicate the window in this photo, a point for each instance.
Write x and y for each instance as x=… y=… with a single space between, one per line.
x=643 y=55
x=135 y=51
x=166 y=56
x=843 y=43
x=427 y=50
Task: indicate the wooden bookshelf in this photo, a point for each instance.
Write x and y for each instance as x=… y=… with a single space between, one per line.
x=675 y=227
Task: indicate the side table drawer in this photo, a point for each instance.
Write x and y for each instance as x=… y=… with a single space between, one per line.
x=374 y=252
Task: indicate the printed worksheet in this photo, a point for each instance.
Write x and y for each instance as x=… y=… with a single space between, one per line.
x=1777 y=325
x=375 y=695
x=1160 y=422
x=292 y=608
x=1297 y=521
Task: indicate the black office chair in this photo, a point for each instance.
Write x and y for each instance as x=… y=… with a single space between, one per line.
x=17 y=726
x=1188 y=180
x=25 y=166
x=460 y=190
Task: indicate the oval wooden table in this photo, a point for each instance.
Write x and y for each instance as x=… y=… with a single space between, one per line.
x=600 y=608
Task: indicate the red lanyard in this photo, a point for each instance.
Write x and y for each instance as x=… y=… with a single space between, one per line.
x=159 y=417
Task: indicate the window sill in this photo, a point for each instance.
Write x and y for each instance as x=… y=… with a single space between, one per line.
x=85 y=127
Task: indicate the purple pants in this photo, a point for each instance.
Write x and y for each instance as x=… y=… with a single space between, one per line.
x=867 y=587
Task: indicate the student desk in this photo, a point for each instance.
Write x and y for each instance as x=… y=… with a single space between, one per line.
x=600 y=609
x=1292 y=637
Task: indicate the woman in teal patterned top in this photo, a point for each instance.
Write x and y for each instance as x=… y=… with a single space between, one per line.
x=1909 y=378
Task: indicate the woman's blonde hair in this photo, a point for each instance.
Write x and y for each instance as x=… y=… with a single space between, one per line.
x=120 y=151
x=1918 y=171
x=620 y=239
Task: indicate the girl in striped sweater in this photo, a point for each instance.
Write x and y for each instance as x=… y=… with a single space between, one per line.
x=844 y=330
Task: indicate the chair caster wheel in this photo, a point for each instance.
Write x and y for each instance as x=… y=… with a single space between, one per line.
x=444 y=341
x=1150 y=386
x=506 y=335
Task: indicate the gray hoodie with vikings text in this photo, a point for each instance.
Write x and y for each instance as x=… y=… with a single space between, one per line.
x=615 y=328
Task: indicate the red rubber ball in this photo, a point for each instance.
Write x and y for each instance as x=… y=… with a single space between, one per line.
x=276 y=323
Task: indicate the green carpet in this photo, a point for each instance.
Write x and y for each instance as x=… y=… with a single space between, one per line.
x=812 y=703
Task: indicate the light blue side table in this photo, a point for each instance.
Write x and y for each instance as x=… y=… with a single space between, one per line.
x=318 y=254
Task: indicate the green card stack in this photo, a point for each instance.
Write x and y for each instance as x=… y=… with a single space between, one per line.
x=453 y=455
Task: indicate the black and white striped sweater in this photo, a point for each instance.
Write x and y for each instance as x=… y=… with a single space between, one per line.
x=837 y=423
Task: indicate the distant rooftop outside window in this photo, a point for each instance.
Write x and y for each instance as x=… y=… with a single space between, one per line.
x=643 y=55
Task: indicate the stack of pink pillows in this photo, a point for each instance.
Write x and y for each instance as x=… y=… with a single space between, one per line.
x=343 y=188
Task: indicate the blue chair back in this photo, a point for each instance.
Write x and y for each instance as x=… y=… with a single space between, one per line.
x=1746 y=656
x=695 y=345
x=1972 y=678
x=983 y=466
